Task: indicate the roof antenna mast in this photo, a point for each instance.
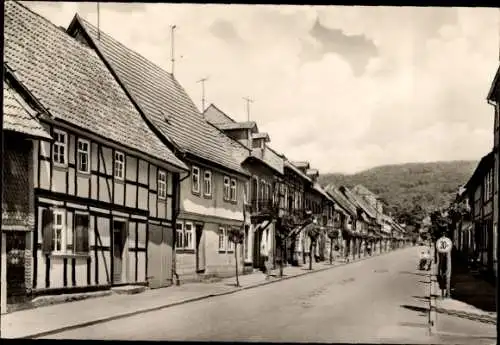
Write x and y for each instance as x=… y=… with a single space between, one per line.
x=202 y=81
x=248 y=100
x=172 y=28
x=98 y=23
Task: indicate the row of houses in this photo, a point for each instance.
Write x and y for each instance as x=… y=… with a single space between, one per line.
x=476 y=235
x=112 y=176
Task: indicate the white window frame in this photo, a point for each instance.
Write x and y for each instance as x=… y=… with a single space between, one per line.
x=83 y=152
x=188 y=243
x=223 y=230
x=181 y=231
x=226 y=188
x=58 y=144
x=195 y=187
x=233 y=189
x=162 y=184
x=207 y=183
x=59 y=227
x=122 y=163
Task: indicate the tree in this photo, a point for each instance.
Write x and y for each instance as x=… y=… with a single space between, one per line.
x=332 y=234
x=312 y=231
x=283 y=229
x=236 y=235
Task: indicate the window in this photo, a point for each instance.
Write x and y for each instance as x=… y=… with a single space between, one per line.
x=59 y=234
x=195 y=179
x=222 y=239
x=230 y=244
x=233 y=190
x=227 y=188
x=179 y=235
x=188 y=236
x=119 y=165
x=162 y=184
x=207 y=183
x=59 y=151
x=83 y=155
x=81 y=233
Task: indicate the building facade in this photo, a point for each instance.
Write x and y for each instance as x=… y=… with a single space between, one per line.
x=104 y=187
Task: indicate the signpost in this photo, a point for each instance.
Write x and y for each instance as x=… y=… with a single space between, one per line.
x=444 y=246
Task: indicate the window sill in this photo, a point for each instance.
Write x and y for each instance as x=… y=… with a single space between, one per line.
x=83 y=174
x=184 y=251
x=59 y=166
x=68 y=255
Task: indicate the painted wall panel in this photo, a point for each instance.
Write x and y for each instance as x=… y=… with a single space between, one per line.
x=69 y=227
x=93 y=156
x=152 y=177
x=94 y=187
x=56 y=272
x=161 y=209
x=152 y=205
x=80 y=272
x=59 y=180
x=107 y=163
x=143 y=198
x=103 y=226
x=169 y=183
x=71 y=181
x=131 y=234
x=130 y=195
x=40 y=273
x=82 y=185
x=169 y=209
x=36 y=143
x=104 y=259
x=141 y=235
x=143 y=171
x=45 y=174
x=91 y=230
x=45 y=149
x=104 y=190
x=131 y=168
x=119 y=190
x=141 y=267
x=131 y=267
x=92 y=268
x=71 y=149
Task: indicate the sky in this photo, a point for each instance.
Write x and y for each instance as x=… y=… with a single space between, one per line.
x=346 y=88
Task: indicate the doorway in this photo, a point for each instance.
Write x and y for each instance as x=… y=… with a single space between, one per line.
x=200 y=249
x=119 y=236
x=15 y=247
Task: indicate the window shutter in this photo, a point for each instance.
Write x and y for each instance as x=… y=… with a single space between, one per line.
x=47 y=231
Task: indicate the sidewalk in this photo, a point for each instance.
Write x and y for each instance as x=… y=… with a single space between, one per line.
x=454 y=316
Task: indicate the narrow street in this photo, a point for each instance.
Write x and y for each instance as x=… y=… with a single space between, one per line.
x=383 y=299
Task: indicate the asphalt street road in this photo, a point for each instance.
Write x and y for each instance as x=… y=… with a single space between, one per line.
x=382 y=299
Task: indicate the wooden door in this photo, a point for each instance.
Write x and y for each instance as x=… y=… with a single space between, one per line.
x=16 y=245
x=160 y=256
x=118 y=249
x=200 y=249
x=167 y=254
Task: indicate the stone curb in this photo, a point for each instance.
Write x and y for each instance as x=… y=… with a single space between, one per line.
x=432 y=300
x=191 y=299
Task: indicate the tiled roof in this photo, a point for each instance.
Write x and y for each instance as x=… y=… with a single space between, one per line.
x=312 y=172
x=340 y=199
x=260 y=136
x=72 y=82
x=485 y=164
x=357 y=200
x=301 y=165
x=236 y=125
x=493 y=93
x=292 y=167
x=19 y=116
x=158 y=93
x=318 y=188
x=216 y=116
x=270 y=157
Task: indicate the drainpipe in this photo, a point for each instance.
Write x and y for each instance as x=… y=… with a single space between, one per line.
x=177 y=210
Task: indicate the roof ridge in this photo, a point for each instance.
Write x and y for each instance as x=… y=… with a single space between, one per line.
x=222 y=112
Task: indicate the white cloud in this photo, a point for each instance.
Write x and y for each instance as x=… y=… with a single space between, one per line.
x=422 y=98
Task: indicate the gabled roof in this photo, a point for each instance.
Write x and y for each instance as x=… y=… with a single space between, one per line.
x=19 y=117
x=296 y=170
x=301 y=165
x=494 y=87
x=363 y=191
x=318 y=188
x=70 y=80
x=312 y=172
x=156 y=92
x=341 y=200
x=223 y=121
x=485 y=164
x=261 y=136
x=359 y=202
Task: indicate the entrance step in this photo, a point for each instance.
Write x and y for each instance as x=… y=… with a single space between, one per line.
x=129 y=289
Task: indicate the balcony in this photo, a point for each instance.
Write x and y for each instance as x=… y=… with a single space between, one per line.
x=263 y=209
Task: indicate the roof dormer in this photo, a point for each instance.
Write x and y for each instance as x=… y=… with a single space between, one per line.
x=259 y=140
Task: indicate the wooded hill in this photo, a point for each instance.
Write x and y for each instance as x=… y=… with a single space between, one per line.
x=411 y=188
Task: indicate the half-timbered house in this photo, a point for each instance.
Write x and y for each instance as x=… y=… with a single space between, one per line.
x=212 y=198
x=105 y=186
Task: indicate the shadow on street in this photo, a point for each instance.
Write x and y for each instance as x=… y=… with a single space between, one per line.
x=421 y=310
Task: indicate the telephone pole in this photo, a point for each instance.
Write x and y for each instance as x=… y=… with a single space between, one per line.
x=202 y=81
x=172 y=28
x=248 y=101
x=98 y=23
